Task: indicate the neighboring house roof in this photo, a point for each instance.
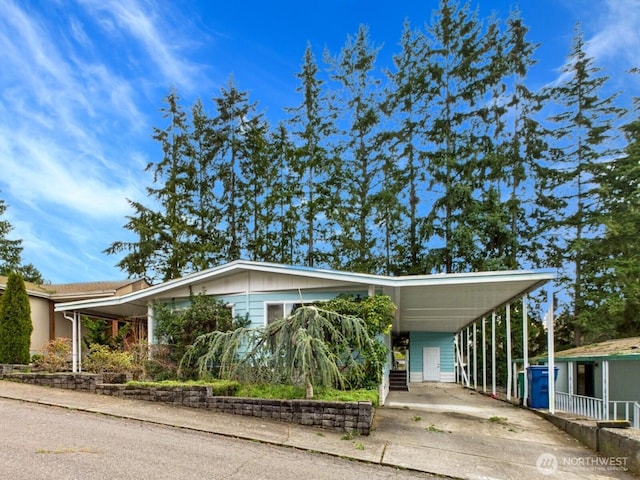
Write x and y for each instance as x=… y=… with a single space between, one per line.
x=449 y=301
x=75 y=291
x=33 y=289
x=621 y=348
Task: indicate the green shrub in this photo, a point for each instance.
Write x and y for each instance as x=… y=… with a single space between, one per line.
x=56 y=356
x=37 y=358
x=15 y=322
x=110 y=363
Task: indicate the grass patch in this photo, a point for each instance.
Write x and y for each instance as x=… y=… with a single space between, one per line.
x=289 y=392
x=417 y=418
x=218 y=387
x=433 y=428
x=500 y=420
x=349 y=436
x=358 y=445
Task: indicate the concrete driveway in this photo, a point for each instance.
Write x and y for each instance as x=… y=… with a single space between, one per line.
x=449 y=430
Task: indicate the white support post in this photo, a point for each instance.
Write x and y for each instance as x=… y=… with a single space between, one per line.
x=493 y=353
x=455 y=359
x=150 y=326
x=475 y=358
x=484 y=355
x=605 y=389
x=468 y=359
x=509 y=370
x=570 y=377
x=79 y=340
x=514 y=383
x=525 y=348
x=551 y=361
x=463 y=374
x=74 y=343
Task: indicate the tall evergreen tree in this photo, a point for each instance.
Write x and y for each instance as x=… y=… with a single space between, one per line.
x=283 y=201
x=512 y=149
x=311 y=123
x=203 y=202
x=525 y=144
x=260 y=174
x=613 y=297
x=162 y=250
x=235 y=118
x=15 y=322
x=584 y=132
x=358 y=175
x=457 y=54
x=407 y=108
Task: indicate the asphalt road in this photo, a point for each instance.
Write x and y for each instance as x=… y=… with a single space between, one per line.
x=39 y=442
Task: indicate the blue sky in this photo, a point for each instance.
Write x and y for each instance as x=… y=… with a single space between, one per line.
x=81 y=82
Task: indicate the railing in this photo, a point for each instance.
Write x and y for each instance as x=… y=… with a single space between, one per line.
x=594 y=408
x=630 y=411
x=581 y=405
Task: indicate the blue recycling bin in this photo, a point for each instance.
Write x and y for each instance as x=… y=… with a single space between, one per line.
x=538 y=382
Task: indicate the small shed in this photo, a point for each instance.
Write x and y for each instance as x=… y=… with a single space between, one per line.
x=601 y=380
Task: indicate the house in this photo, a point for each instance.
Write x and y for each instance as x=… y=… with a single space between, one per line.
x=49 y=324
x=431 y=309
x=601 y=380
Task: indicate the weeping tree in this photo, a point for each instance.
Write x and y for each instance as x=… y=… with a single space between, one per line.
x=313 y=347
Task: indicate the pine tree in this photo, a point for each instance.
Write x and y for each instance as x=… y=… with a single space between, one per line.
x=512 y=149
x=311 y=124
x=613 y=296
x=15 y=322
x=584 y=132
x=163 y=249
x=525 y=144
x=282 y=201
x=358 y=175
x=260 y=175
x=459 y=61
x=407 y=108
x=235 y=117
x=203 y=206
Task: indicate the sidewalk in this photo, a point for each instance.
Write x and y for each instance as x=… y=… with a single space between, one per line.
x=436 y=428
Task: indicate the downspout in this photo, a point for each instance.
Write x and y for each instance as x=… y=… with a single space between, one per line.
x=74 y=341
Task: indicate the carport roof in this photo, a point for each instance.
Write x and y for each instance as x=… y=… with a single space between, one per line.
x=443 y=302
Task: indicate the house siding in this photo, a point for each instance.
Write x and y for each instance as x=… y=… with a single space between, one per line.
x=255 y=303
x=621 y=380
x=420 y=340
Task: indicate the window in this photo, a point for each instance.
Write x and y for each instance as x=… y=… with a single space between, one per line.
x=276 y=311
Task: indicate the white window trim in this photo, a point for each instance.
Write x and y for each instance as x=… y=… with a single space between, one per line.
x=287 y=307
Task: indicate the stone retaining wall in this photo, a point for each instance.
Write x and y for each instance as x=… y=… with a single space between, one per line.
x=70 y=381
x=355 y=417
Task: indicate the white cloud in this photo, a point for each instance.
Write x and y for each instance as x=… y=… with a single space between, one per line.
x=137 y=19
x=611 y=36
x=617 y=33
x=42 y=173
x=61 y=119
